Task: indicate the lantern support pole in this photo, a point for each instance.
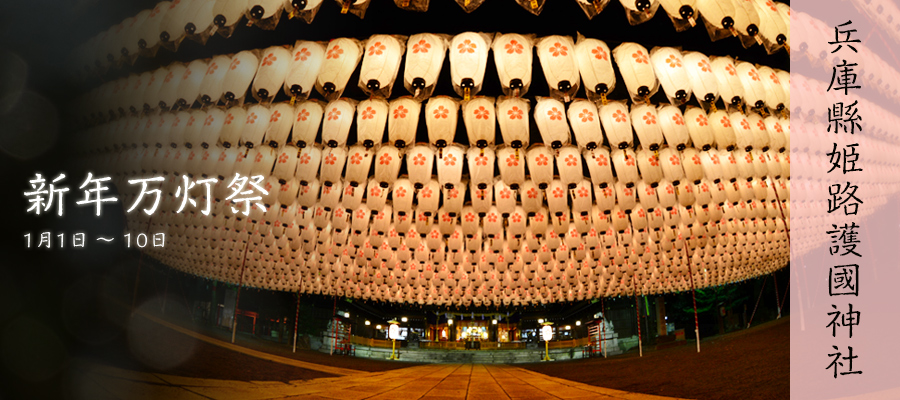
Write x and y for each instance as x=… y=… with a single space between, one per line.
x=165 y=293
x=603 y=328
x=757 y=301
x=137 y=278
x=777 y=303
x=237 y=300
x=693 y=297
x=296 y=317
x=637 y=312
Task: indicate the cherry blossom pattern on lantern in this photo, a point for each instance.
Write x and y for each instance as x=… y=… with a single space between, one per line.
x=753 y=75
x=441 y=112
x=586 y=115
x=449 y=160
x=368 y=113
x=467 y=46
x=302 y=54
x=421 y=46
x=701 y=120
x=482 y=113
x=334 y=53
x=558 y=49
x=640 y=57
x=673 y=61
x=555 y=114
x=515 y=113
x=514 y=47
x=269 y=60
x=334 y=114
x=400 y=112
x=377 y=49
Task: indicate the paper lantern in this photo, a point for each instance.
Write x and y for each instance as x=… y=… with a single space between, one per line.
x=772 y=27
x=387 y=165
x=239 y=76
x=359 y=162
x=403 y=121
x=303 y=69
x=271 y=73
x=453 y=198
x=424 y=58
x=549 y=114
x=341 y=57
x=557 y=56
x=376 y=196
x=585 y=121
x=681 y=12
x=699 y=130
x=646 y=125
x=568 y=161
x=513 y=58
x=726 y=138
x=280 y=122
x=468 y=60
x=307 y=162
x=730 y=86
x=481 y=166
x=625 y=165
x=370 y=122
x=746 y=20
x=673 y=77
x=450 y=165
x=441 y=115
x=428 y=198
x=337 y=121
x=308 y=117
x=595 y=67
x=168 y=93
x=638 y=11
x=754 y=91
x=633 y=61
x=719 y=15
x=512 y=115
x=599 y=166
x=672 y=123
x=649 y=166
x=540 y=165
x=380 y=65
x=775 y=97
x=616 y=121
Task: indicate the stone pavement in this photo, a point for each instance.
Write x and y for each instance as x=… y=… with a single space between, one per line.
x=436 y=381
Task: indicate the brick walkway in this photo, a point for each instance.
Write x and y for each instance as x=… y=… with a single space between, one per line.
x=494 y=382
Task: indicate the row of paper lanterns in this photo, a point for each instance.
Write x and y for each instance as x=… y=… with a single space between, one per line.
x=167 y=24
x=328 y=68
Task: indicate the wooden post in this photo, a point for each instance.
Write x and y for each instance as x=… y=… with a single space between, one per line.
x=296 y=317
x=693 y=296
x=637 y=311
x=237 y=300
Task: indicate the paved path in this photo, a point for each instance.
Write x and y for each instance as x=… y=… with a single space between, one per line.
x=441 y=381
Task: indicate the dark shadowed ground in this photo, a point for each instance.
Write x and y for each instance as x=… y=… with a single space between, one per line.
x=750 y=364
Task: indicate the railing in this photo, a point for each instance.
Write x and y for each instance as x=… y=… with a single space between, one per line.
x=565 y=344
x=485 y=345
x=384 y=344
